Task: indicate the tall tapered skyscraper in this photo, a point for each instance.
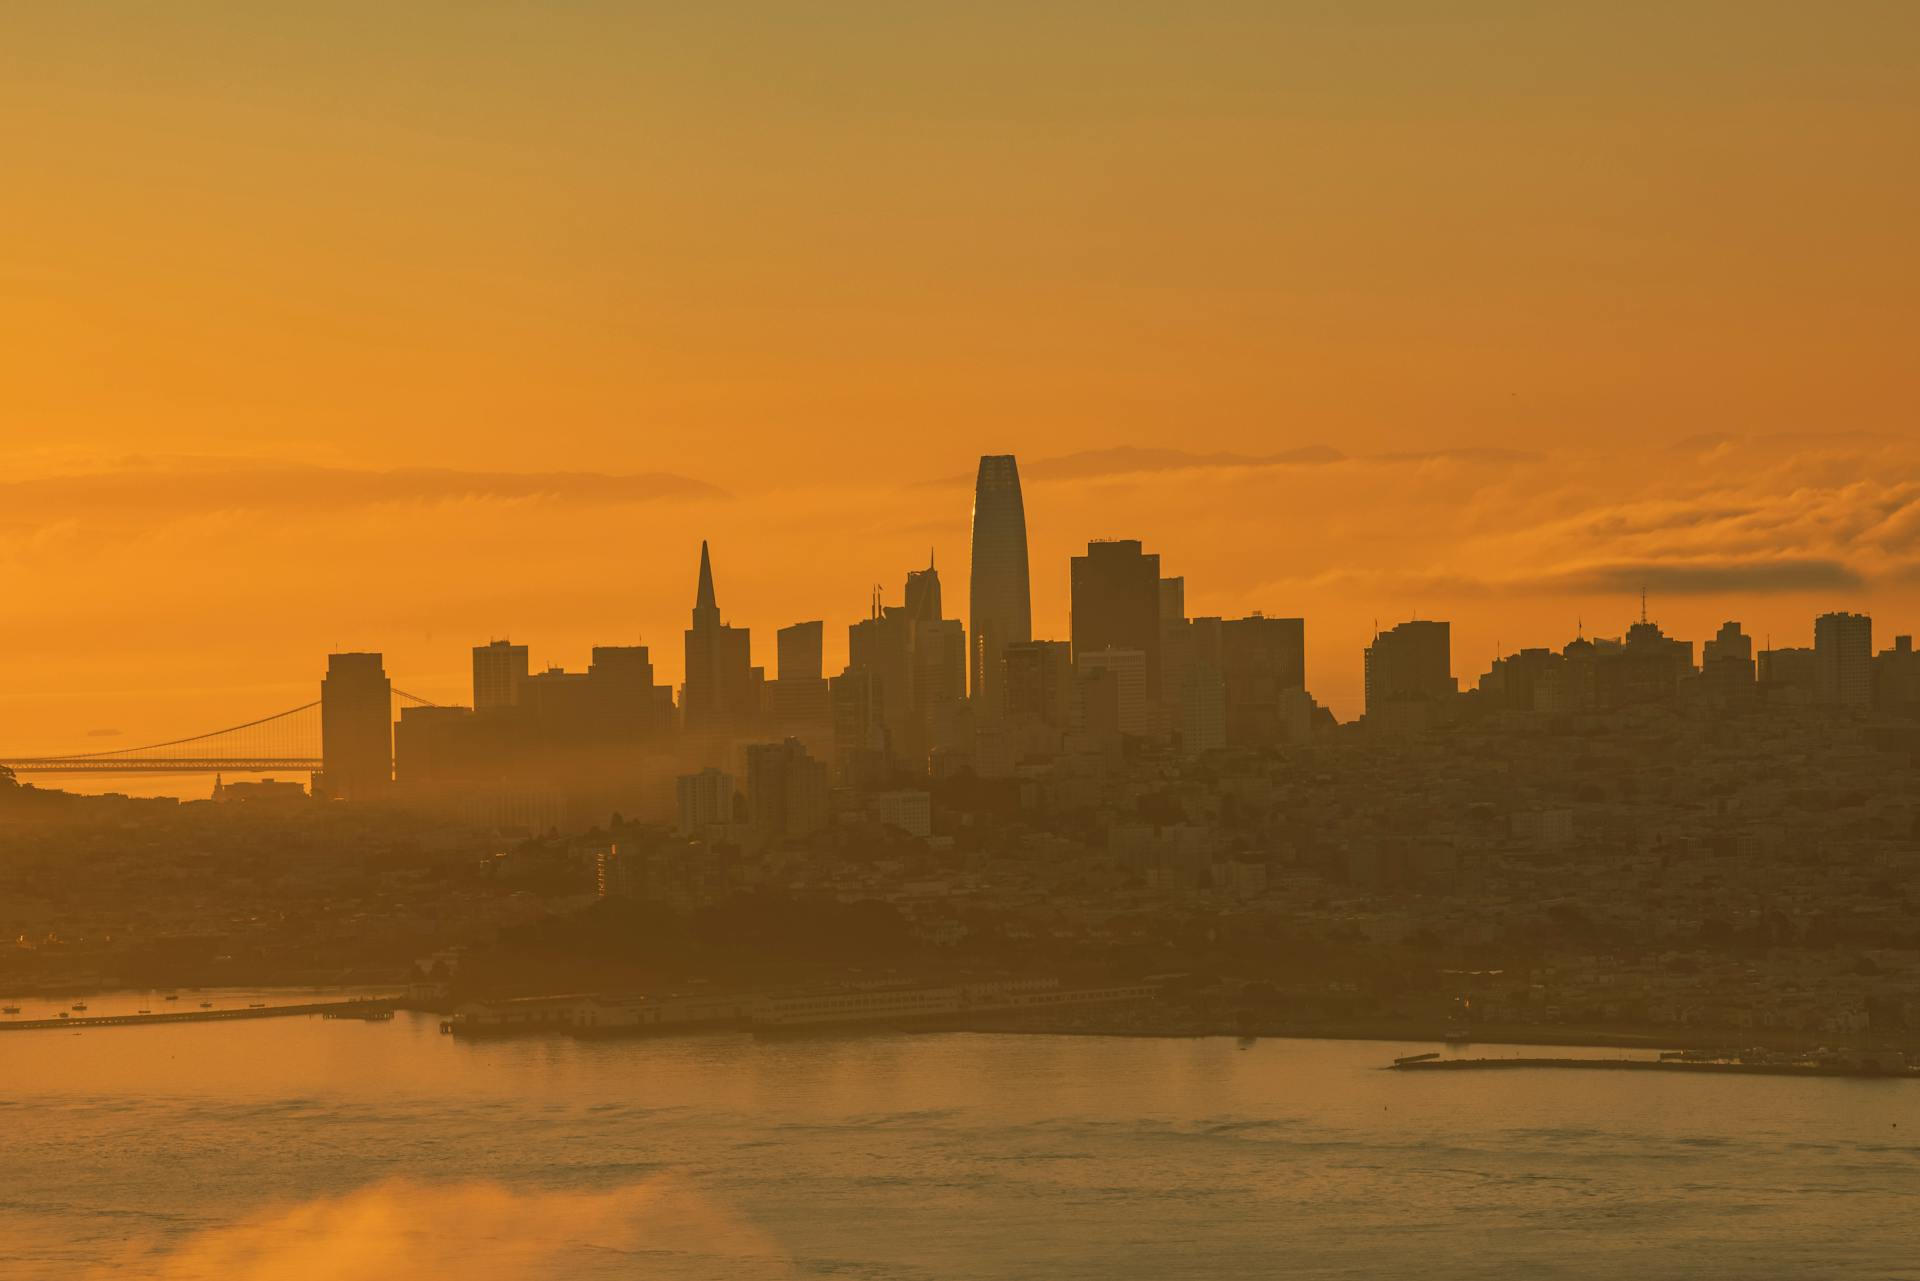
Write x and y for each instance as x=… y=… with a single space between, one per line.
x=999 y=600
x=719 y=694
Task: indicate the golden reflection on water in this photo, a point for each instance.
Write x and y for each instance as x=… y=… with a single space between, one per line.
x=380 y=1151
x=464 y=1231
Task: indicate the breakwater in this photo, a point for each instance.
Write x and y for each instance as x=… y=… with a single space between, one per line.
x=1854 y=1068
x=349 y=1009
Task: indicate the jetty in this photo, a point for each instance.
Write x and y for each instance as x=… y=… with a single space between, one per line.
x=359 y=1008
x=1880 y=1066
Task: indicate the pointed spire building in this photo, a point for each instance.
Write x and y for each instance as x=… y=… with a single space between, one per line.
x=721 y=694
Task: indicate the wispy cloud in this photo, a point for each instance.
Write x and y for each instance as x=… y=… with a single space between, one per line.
x=1906 y=573
x=1129 y=460
x=1486 y=457
x=1705 y=578
x=1090 y=464
x=141 y=487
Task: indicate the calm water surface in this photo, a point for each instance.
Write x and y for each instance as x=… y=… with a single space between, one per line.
x=235 y=1150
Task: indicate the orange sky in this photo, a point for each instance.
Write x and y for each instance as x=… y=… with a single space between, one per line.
x=1580 y=296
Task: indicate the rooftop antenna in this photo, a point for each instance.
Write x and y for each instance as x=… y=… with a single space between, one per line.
x=1643 y=602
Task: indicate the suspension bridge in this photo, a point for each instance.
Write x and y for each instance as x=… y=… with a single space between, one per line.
x=285 y=742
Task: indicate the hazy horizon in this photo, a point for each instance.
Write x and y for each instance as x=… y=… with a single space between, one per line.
x=1581 y=300
x=1515 y=548
x=1041 y=919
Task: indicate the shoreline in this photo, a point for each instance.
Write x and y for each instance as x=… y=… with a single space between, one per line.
x=1383 y=1032
x=1161 y=1022
x=1421 y=1032
x=1860 y=1070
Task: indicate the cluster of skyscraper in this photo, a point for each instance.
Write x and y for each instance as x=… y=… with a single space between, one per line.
x=1646 y=667
x=923 y=696
x=921 y=693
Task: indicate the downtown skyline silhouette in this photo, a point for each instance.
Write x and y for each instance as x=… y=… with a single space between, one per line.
x=1774 y=564
x=1003 y=555
x=1091 y=641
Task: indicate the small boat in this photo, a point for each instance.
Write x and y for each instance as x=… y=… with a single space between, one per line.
x=146 y=1011
x=9 y=1009
x=81 y=1006
x=173 y=998
x=258 y=1005
x=206 y=1005
x=64 y=1014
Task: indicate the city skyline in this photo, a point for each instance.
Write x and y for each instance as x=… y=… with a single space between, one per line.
x=1137 y=668
x=349 y=380
x=761 y=655
x=1335 y=673
x=1106 y=640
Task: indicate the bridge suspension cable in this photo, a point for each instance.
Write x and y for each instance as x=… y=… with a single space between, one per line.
x=286 y=741
x=182 y=742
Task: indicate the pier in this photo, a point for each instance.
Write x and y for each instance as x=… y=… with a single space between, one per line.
x=350 y=1009
x=1864 y=1067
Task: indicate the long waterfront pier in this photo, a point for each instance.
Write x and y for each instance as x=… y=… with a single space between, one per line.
x=351 y=1009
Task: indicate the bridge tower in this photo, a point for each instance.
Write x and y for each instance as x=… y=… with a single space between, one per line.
x=356 y=728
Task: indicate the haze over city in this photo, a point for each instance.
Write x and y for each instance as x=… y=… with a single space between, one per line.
x=1349 y=315
x=1118 y=641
